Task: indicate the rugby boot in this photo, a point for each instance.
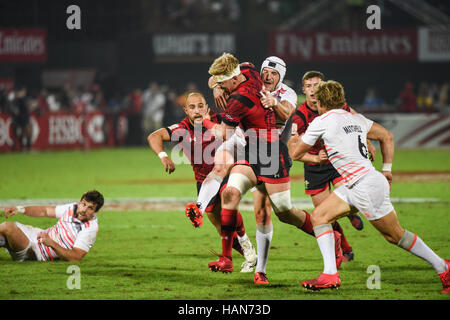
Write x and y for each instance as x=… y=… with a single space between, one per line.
x=224 y=265
x=323 y=281
x=193 y=213
x=260 y=278
x=445 y=278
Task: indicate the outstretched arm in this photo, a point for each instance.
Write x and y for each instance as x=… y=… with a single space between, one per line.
x=156 y=142
x=386 y=139
x=32 y=211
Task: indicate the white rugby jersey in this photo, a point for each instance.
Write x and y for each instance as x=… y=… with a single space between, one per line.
x=344 y=136
x=69 y=232
x=284 y=93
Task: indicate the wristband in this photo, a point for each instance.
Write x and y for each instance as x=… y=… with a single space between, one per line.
x=386 y=167
x=162 y=154
x=208 y=124
x=20 y=209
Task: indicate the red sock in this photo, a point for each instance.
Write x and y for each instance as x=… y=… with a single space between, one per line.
x=344 y=243
x=240 y=225
x=228 y=227
x=307 y=226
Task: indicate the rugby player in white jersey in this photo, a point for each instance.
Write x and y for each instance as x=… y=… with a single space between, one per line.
x=69 y=239
x=364 y=189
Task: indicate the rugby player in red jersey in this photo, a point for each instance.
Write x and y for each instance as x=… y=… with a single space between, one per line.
x=199 y=147
x=265 y=162
x=280 y=98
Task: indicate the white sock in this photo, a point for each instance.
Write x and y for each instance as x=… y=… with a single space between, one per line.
x=263 y=239
x=210 y=187
x=325 y=239
x=412 y=243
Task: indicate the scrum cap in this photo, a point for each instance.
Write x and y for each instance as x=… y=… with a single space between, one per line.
x=277 y=64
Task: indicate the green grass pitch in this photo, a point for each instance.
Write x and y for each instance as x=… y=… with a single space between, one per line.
x=158 y=255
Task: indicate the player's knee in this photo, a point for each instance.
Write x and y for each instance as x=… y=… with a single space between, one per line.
x=231 y=195
x=318 y=217
x=262 y=216
x=281 y=201
x=221 y=170
x=6 y=227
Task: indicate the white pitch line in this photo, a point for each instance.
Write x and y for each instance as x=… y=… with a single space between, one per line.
x=246 y=203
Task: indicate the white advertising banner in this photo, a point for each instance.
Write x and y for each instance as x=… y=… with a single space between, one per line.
x=416 y=131
x=434 y=44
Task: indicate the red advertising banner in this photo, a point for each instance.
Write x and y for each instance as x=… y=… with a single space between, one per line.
x=60 y=131
x=23 y=45
x=370 y=45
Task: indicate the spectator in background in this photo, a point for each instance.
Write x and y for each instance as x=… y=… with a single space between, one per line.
x=372 y=101
x=21 y=120
x=408 y=99
x=134 y=111
x=153 y=101
x=443 y=103
x=423 y=99
x=173 y=112
x=3 y=100
x=181 y=99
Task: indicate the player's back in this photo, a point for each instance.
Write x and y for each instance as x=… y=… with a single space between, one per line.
x=244 y=106
x=345 y=136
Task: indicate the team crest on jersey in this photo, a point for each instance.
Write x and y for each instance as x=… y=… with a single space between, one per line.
x=306 y=184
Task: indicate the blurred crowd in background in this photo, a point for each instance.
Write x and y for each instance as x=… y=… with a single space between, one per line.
x=158 y=105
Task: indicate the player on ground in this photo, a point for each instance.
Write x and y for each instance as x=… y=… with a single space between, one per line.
x=319 y=173
x=199 y=146
x=69 y=239
x=265 y=163
x=364 y=189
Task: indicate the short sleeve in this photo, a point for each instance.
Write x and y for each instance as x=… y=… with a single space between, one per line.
x=176 y=132
x=60 y=210
x=314 y=132
x=290 y=96
x=367 y=123
x=86 y=239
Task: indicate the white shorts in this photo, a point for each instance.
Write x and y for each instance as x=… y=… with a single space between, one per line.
x=235 y=145
x=370 y=195
x=31 y=233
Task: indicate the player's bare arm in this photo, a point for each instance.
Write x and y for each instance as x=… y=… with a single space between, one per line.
x=283 y=110
x=386 y=139
x=74 y=254
x=294 y=143
x=156 y=142
x=298 y=150
x=31 y=211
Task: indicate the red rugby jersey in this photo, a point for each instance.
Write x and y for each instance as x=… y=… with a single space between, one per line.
x=301 y=119
x=244 y=106
x=199 y=145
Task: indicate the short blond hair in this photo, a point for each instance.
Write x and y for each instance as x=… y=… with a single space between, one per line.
x=224 y=65
x=330 y=94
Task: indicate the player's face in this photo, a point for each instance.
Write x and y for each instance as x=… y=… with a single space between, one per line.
x=309 y=86
x=228 y=86
x=86 y=210
x=196 y=108
x=270 y=78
